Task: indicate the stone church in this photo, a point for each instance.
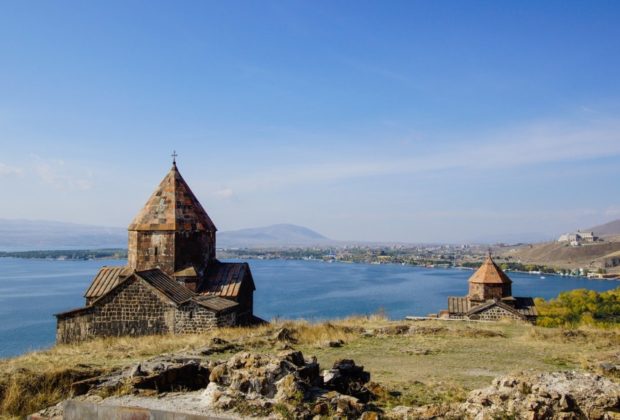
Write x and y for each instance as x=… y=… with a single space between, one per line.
x=490 y=298
x=172 y=282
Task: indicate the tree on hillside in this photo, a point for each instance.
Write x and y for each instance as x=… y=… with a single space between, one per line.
x=579 y=307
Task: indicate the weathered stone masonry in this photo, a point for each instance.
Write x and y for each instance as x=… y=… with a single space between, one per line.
x=490 y=298
x=173 y=284
x=136 y=308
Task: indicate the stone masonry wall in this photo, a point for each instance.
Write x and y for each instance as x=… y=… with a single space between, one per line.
x=152 y=249
x=495 y=313
x=193 y=248
x=482 y=292
x=134 y=308
x=73 y=328
x=246 y=303
x=191 y=318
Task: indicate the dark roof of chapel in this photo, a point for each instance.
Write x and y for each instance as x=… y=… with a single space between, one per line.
x=490 y=273
x=461 y=305
x=215 y=303
x=168 y=286
x=106 y=279
x=225 y=279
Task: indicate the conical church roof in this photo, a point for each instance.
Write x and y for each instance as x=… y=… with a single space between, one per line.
x=173 y=206
x=489 y=272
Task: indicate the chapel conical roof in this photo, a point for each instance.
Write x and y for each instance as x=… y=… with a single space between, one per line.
x=490 y=273
x=172 y=206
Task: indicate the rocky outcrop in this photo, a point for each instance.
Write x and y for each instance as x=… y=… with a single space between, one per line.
x=247 y=383
x=258 y=383
x=557 y=395
x=288 y=385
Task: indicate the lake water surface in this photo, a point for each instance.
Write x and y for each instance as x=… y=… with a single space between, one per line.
x=31 y=291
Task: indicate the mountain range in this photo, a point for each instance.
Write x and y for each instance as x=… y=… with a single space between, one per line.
x=26 y=235
x=22 y=235
x=271 y=236
x=608 y=229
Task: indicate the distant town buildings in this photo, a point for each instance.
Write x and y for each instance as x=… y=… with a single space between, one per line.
x=490 y=298
x=578 y=238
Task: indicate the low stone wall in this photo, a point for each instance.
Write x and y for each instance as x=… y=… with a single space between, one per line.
x=192 y=318
x=74 y=327
x=136 y=309
x=495 y=313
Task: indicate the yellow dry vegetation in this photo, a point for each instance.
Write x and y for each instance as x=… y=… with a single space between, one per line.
x=419 y=362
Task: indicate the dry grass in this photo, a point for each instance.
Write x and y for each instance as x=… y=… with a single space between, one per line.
x=561 y=255
x=432 y=361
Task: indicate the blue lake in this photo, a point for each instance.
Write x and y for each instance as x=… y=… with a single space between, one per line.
x=31 y=291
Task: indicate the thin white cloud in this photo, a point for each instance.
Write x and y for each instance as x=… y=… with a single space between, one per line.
x=56 y=174
x=535 y=144
x=7 y=170
x=226 y=193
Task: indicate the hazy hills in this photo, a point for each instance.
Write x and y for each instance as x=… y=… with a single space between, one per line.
x=18 y=235
x=271 y=236
x=608 y=229
x=562 y=255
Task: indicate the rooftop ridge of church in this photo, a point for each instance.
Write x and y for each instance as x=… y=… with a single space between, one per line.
x=489 y=272
x=172 y=206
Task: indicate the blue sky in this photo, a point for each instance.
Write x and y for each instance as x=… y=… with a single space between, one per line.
x=392 y=121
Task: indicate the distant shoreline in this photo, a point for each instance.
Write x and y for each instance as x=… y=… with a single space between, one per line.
x=68 y=254
x=121 y=254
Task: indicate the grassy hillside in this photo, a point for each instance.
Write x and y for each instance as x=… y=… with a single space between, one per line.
x=424 y=361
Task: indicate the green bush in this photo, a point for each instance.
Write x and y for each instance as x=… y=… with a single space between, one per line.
x=580 y=307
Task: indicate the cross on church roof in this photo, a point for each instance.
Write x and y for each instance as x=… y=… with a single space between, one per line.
x=174 y=157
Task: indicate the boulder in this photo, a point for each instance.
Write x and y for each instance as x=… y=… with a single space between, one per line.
x=556 y=395
x=347 y=378
x=285 y=335
x=189 y=376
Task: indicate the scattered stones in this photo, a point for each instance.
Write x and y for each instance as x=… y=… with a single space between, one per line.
x=394 y=330
x=285 y=335
x=162 y=373
x=218 y=345
x=253 y=384
x=608 y=365
x=284 y=378
x=425 y=412
x=427 y=330
x=347 y=378
x=481 y=333
x=558 y=395
x=368 y=333
x=369 y=415
x=190 y=375
x=334 y=343
x=417 y=352
x=573 y=334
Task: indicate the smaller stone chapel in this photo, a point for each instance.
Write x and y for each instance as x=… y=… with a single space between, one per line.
x=172 y=282
x=490 y=298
